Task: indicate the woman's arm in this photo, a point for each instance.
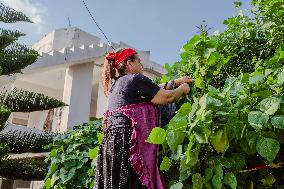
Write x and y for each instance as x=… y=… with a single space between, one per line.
x=176 y=82
x=164 y=96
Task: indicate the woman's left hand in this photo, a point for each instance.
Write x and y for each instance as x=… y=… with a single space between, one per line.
x=182 y=80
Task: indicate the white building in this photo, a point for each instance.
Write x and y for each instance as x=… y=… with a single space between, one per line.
x=70 y=70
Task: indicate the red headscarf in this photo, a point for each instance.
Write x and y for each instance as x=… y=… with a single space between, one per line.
x=121 y=56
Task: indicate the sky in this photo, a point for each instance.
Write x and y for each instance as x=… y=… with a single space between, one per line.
x=161 y=26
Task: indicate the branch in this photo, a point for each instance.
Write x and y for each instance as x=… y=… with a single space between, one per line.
x=9 y=15
x=19 y=100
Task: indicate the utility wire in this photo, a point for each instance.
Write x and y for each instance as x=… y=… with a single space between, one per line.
x=109 y=43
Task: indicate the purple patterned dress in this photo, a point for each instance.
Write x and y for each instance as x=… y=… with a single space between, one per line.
x=125 y=160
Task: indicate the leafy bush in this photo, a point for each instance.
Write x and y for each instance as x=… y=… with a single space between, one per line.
x=24 y=169
x=26 y=139
x=230 y=132
x=73 y=156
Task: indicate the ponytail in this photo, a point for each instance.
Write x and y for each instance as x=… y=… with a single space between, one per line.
x=108 y=74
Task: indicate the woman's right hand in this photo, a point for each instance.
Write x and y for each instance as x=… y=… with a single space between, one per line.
x=185 y=87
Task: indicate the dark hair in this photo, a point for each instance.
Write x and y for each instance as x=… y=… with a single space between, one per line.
x=111 y=73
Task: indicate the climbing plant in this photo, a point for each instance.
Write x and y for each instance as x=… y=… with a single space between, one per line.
x=228 y=132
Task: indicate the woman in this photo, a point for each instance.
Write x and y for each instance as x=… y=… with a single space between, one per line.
x=126 y=160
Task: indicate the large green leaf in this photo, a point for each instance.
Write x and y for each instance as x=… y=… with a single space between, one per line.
x=216 y=182
x=220 y=141
x=268 y=148
x=185 y=109
x=174 y=138
x=278 y=121
x=257 y=120
x=157 y=136
x=230 y=180
x=270 y=105
x=208 y=174
x=201 y=134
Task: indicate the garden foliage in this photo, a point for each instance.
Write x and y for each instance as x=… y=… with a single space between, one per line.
x=229 y=131
x=73 y=156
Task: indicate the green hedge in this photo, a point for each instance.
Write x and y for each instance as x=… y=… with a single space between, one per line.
x=24 y=169
x=21 y=139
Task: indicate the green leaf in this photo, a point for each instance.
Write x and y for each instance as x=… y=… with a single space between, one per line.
x=262 y=94
x=218 y=170
x=53 y=153
x=245 y=78
x=174 y=138
x=216 y=182
x=178 y=185
x=220 y=141
x=201 y=134
x=184 y=109
x=199 y=83
x=48 y=183
x=93 y=153
x=237 y=161
x=252 y=138
x=197 y=181
x=257 y=120
x=100 y=137
x=165 y=165
x=270 y=105
x=268 y=148
x=53 y=167
x=157 y=136
x=207 y=100
x=278 y=121
x=230 y=180
x=208 y=174
x=191 y=43
x=256 y=78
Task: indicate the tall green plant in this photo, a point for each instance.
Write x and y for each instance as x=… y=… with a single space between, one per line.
x=230 y=133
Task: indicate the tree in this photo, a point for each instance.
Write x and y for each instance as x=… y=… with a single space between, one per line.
x=13 y=58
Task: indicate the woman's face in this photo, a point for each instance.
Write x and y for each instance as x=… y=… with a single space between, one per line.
x=135 y=66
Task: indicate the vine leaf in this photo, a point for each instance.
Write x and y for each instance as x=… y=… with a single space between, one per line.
x=268 y=148
x=157 y=136
x=270 y=105
x=220 y=141
x=278 y=121
x=166 y=163
x=257 y=120
x=230 y=180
